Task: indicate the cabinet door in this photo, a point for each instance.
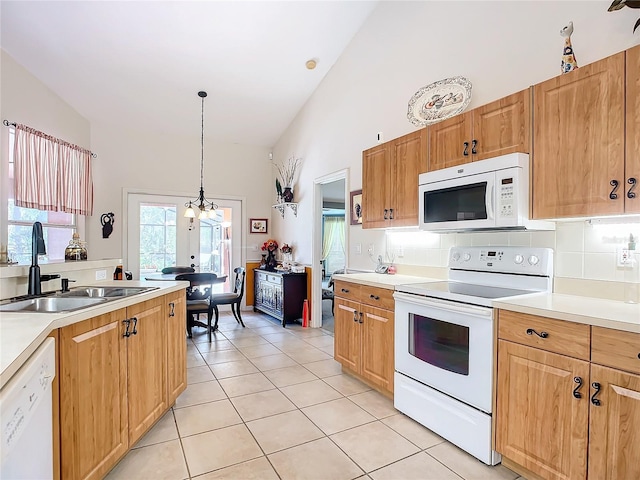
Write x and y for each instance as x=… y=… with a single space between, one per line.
x=614 y=432
x=632 y=165
x=176 y=314
x=502 y=126
x=408 y=160
x=147 y=375
x=578 y=141
x=447 y=142
x=540 y=425
x=347 y=344
x=376 y=186
x=93 y=396
x=377 y=362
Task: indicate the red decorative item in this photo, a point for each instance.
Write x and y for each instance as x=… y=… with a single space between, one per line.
x=305 y=313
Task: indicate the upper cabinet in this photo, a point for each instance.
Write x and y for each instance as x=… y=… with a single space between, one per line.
x=491 y=130
x=390 y=181
x=579 y=141
x=632 y=163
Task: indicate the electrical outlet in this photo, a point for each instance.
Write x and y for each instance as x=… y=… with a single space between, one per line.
x=400 y=251
x=623 y=257
x=358 y=249
x=101 y=274
x=370 y=249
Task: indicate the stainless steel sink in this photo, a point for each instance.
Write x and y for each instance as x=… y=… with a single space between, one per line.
x=106 y=292
x=50 y=304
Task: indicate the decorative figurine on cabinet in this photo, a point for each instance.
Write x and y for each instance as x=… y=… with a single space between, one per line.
x=569 y=61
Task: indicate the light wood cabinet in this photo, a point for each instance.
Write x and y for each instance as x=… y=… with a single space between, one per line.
x=614 y=428
x=632 y=159
x=175 y=312
x=540 y=424
x=116 y=381
x=579 y=141
x=146 y=366
x=495 y=129
x=551 y=409
x=364 y=332
x=94 y=428
x=390 y=181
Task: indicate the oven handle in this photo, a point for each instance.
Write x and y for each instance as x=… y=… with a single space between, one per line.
x=443 y=304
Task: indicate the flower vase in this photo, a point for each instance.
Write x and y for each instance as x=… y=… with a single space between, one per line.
x=271 y=261
x=287 y=195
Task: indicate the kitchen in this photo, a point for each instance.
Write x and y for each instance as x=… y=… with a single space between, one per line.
x=395 y=35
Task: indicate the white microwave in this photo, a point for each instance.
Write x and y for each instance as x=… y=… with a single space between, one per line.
x=485 y=195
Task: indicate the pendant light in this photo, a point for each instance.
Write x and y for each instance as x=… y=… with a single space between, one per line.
x=207 y=208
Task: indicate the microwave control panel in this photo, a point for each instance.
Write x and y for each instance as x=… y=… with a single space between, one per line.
x=506 y=197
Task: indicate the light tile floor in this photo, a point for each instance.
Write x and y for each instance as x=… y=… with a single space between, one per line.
x=265 y=402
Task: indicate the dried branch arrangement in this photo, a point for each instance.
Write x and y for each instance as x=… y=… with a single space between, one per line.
x=287 y=171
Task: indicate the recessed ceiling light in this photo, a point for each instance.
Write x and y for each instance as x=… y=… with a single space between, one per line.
x=311 y=64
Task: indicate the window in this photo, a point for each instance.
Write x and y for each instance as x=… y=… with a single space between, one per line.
x=58 y=227
x=157 y=237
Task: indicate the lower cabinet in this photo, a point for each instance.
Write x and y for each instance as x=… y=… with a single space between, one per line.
x=115 y=382
x=364 y=333
x=552 y=409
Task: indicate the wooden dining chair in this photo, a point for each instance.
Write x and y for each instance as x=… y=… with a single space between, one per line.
x=231 y=298
x=199 y=294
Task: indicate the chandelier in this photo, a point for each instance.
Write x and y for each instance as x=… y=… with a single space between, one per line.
x=207 y=208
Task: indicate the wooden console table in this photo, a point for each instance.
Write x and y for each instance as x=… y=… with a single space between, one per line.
x=279 y=294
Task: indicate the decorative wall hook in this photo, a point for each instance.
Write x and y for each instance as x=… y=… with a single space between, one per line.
x=107 y=224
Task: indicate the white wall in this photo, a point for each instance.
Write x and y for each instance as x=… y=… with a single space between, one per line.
x=502 y=47
x=130 y=159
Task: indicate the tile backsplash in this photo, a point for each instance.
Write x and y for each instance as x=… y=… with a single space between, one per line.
x=581 y=250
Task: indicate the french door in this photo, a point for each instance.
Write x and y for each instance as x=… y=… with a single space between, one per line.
x=160 y=236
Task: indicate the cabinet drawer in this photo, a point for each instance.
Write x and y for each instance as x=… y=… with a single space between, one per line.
x=274 y=279
x=347 y=290
x=565 y=338
x=616 y=349
x=377 y=297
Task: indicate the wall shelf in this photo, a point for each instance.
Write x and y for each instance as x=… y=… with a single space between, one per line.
x=281 y=207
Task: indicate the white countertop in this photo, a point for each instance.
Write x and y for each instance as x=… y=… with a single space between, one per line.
x=21 y=333
x=382 y=280
x=591 y=311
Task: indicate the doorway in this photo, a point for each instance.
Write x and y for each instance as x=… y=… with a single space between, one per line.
x=330 y=244
x=159 y=236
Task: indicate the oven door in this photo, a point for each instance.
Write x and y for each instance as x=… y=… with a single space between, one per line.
x=447 y=346
x=461 y=203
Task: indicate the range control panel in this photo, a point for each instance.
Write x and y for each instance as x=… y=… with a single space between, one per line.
x=527 y=260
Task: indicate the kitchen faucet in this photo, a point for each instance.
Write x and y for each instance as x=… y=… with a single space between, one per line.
x=37 y=248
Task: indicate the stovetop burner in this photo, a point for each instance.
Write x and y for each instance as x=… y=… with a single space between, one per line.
x=462 y=292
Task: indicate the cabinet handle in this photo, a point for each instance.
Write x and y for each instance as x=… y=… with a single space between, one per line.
x=374 y=297
x=474 y=144
x=127 y=322
x=385 y=214
x=633 y=182
x=355 y=315
x=595 y=400
x=361 y=320
x=135 y=324
x=639 y=356
x=531 y=331
x=576 y=393
x=613 y=195
x=465 y=152
x=344 y=290
x=391 y=214
x=172 y=312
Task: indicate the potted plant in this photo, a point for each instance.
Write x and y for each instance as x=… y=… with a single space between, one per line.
x=287 y=173
x=618 y=4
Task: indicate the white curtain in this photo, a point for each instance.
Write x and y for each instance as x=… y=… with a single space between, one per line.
x=333 y=236
x=51 y=174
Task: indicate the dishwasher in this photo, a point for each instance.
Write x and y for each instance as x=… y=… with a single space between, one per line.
x=27 y=420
